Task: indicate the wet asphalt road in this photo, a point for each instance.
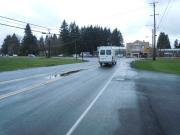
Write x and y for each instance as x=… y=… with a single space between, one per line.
x=115 y=100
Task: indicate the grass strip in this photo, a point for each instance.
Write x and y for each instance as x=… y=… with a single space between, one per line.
x=167 y=65
x=14 y=63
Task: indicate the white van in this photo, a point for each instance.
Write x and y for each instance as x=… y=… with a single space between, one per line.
x=107 y=55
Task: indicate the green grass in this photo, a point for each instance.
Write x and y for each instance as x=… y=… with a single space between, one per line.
x=14 y=63
x=167 y=65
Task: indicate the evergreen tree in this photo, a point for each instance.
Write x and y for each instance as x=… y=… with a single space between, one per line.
x=64 y=36
x=6 y=45
x=167 y=45
x=163 y=41
x=41 y=44
x=74 y=37
x=54 y=45
x=116 y=38
x=87 y=38
x=176 y=44
x=15 y=45
x=107 y=36
x=46 y=44
x=29 y=43
x=11 y=45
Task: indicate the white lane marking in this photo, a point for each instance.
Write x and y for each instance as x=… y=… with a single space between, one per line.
x=27 y=88
x=76 y=124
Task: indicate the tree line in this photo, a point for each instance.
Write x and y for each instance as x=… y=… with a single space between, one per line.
x=164 y=43
x=71 y=39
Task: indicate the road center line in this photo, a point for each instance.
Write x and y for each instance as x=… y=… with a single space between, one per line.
x=76 y=124
x=24 y=78
x=31 y=87
x=27 y=89
x=35 y=76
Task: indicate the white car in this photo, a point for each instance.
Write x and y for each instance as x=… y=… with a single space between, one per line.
x=60 y=55
x=31 y=55
x=120 y=55
x=15 y=55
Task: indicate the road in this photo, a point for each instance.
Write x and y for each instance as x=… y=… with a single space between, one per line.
x=94 y=100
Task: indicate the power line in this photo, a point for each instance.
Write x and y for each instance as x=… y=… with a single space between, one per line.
x=9 y=22
x=39 y=31
x=24 y=22
x=19 y=21
x=14 y=21
x=42 y=32
x=165 y=11
x=21 y=28
x=17 y=25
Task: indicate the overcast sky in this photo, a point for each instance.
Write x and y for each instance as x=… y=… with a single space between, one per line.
x=131 y=17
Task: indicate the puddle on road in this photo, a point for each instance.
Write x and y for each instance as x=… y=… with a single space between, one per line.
x=120 y=78
x=70 y=72
x=53 y=76
x=60 y=75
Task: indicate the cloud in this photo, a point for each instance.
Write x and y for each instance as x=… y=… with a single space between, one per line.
x=130 y=16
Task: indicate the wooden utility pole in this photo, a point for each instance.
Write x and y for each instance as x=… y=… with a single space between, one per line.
x=76 y=50
x=49 y=46
x=154 y=30
x=154 y=47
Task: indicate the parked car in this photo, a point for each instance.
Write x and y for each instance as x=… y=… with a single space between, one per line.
x=120 y=55
x=85 y=54
x=31 y=55
x=60 y=55
x=14 y=55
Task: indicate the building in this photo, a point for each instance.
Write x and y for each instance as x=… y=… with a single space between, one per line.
x=138 y=49
x=121 y=50
x=169 y=52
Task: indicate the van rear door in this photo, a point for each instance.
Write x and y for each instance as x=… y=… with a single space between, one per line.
x=108 y=55
x=105 y=55
x=102 y=55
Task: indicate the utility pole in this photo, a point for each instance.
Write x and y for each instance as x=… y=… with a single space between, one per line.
x=76 y=50
x=154 y=31
x=152 y=37
x=82 y=55
x=49 y=47
x=154 y=48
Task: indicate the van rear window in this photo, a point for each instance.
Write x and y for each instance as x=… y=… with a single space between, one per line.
x=102 y=52
x=108 y=52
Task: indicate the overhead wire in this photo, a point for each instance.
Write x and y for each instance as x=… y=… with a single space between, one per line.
x=18 y=22
x=15 y=20
x=62 y=44
x=24 y=22
x=164 y=13
x=20 y=28
x=42 y=32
